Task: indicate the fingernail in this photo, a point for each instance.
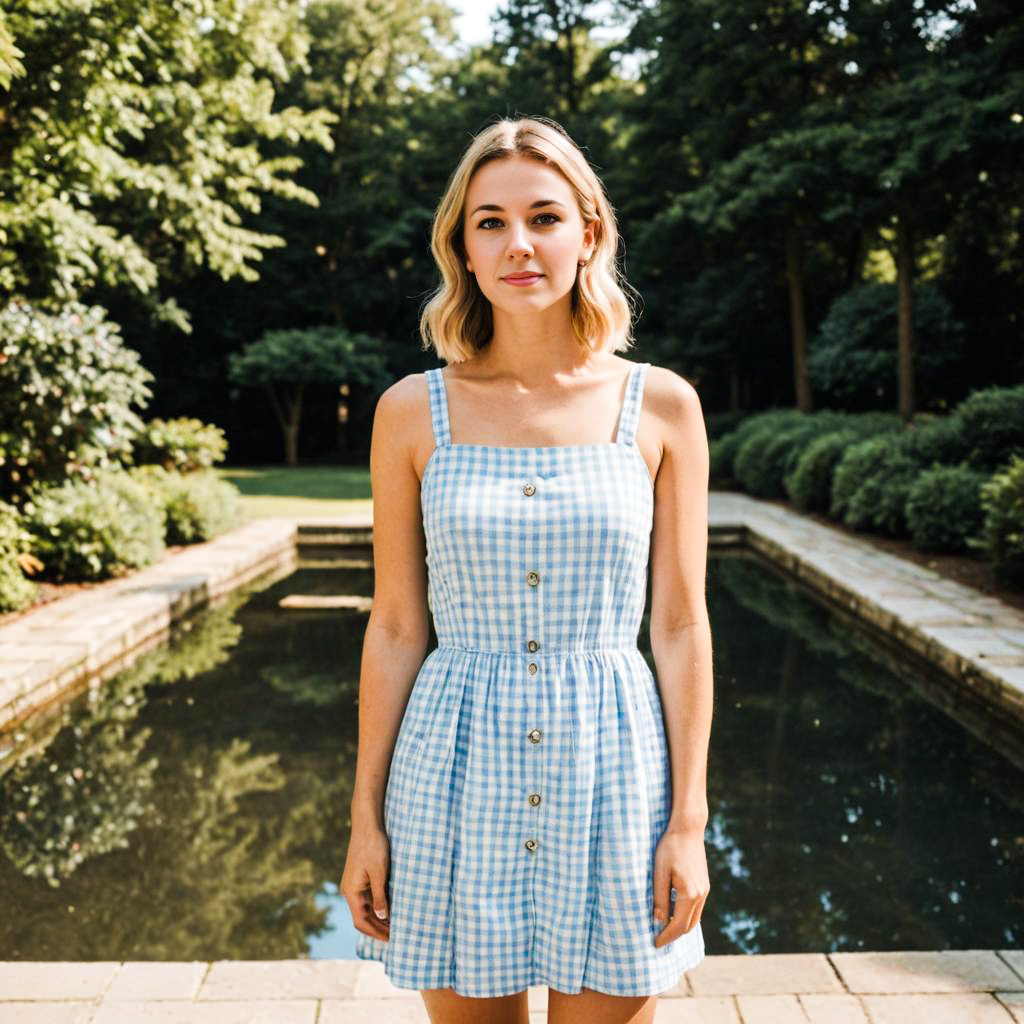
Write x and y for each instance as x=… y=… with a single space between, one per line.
x=381 y=914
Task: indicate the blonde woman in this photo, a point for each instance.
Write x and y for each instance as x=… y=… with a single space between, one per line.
x=530 y=801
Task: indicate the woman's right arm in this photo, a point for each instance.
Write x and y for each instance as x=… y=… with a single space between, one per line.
x=397 y=634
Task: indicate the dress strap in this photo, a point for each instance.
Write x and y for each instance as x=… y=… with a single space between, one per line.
x=438 y=406
x=629 y=417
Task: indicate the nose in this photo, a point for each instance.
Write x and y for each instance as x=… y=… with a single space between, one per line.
x=519 y=242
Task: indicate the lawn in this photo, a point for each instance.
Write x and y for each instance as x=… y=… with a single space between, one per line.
x=303 y=492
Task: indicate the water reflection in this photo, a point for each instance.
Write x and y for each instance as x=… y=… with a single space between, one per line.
x=196 y=805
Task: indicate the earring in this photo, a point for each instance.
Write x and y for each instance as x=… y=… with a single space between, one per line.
x=581 y=263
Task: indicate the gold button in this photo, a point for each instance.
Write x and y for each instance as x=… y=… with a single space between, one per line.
x=534 y=735
x=531 y=844
x=529 y=489
x=535 y=799
x=533 y=578
x=532 y=668
x=532 y=645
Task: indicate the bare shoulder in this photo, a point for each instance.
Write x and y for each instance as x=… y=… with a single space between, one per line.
x=675 y=407
x=402 y=420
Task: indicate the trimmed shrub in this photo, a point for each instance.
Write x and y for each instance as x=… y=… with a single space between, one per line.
x=15 y=590
x=871 y=483
x=943 y=508
x=197 y=506
x=724 y=449
x=993 y=423
x=809 y=483
x=183 y=444
x=1002 y=534
x=940 y=439
x=92 y=530
x=767 y=455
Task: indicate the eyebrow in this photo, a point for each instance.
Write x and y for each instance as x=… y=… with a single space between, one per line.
x=533 y=206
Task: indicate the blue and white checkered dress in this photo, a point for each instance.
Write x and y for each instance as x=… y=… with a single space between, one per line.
x=530 y=780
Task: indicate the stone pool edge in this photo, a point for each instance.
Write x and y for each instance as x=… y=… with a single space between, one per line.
x=65 y=644
x=977 y=986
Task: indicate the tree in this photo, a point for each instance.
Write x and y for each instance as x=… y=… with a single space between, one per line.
x=130 y=151
x=284 y=362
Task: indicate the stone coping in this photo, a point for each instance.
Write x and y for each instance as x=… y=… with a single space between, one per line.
x=59 y=647
x=975 y=986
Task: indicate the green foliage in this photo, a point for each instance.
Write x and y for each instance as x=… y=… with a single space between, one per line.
x=943 y=508
x=937 y=439
x=15 y=590
x=185 y=444
x=993 y=424
x=197 y=505
x=768 y=454
x=871 y=482
x=67 y=387
x=852 y=360
x=133 y=142
x=1002 y=535
x=724 y=450
x=809 y=483
x=94 y=529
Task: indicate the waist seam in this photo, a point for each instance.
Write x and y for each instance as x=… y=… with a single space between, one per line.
x=540 y=654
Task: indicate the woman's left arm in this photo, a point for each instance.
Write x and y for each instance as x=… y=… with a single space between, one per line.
x=681 y=644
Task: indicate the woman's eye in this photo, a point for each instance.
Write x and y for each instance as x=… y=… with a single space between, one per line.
x=487 y=220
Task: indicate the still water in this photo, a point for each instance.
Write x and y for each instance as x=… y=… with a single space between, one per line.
x=195 y=807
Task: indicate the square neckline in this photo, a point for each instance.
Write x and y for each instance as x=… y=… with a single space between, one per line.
x=627 y=445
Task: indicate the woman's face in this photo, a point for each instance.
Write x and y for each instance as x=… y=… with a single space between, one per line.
x=523 y=235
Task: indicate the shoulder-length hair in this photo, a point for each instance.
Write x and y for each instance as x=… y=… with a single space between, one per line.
x=457 y=319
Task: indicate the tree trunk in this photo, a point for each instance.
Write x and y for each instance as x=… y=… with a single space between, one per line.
x=904 y=277
x=797 y=319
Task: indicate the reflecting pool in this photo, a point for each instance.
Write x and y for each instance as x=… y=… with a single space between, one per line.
x=195 y=806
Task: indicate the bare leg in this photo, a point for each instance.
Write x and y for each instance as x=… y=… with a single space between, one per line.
x=590 y=1007
x=446 y=1006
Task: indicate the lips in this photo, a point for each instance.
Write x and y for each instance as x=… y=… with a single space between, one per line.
x=522 y=277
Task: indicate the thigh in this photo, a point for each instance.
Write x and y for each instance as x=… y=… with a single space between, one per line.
x=446 y=1006
x=590 y=1007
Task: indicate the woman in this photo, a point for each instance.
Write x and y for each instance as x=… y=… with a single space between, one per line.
x=529 y=799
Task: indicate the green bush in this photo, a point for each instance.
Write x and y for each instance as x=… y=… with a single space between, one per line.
x=197 y=506
x=94 y=529
x=723 y=450
x=937 y=439
x=1002 y=534
x=767 y=455
x=183 y=444
x=993 y=423
x=809 y=483
x=67 y=384
x=15 y=590
x=871 y=482
x=943 y=508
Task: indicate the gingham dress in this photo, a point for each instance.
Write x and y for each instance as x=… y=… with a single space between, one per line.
x=530 y=779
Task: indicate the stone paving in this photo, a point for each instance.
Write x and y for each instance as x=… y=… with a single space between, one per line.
x=951 y=987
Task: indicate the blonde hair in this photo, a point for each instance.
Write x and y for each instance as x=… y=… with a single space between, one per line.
x=457 y=319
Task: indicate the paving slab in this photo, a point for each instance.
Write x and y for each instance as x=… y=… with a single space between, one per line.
x=281 y=1011
x=931 y=1008
x=139 y=979
x=764 y=974
x=45 y=980
x=925 y=971
x=1014 y=1003
x=801 y=1009
x=46 y=1013
x=279 y=979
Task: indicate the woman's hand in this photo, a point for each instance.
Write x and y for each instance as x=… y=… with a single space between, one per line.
x=364 y=880
x=680 y=863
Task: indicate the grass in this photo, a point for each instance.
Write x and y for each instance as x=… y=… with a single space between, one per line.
x=304 y=491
